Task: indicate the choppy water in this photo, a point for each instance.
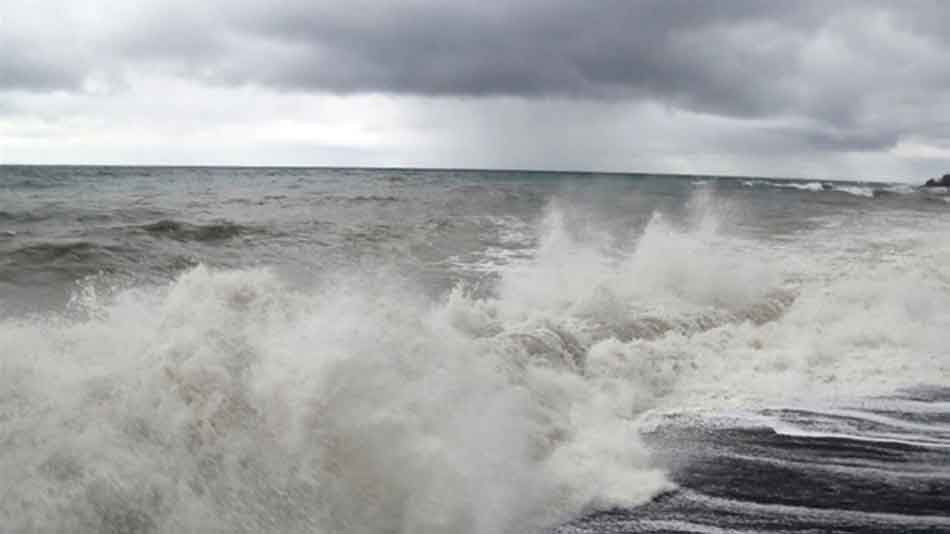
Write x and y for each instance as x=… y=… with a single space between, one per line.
x=344 y=350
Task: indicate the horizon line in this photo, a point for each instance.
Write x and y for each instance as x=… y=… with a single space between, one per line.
x=442 y=169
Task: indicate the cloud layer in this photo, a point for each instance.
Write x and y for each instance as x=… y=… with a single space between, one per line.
x=833 y=86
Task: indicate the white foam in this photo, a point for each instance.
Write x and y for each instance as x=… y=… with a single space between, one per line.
x=865 y=191
x=901 y=189
x=811 y=186
x=917 y=440
x=857 y=191
x=229 y=402
x=885 y=420
x=834 y=516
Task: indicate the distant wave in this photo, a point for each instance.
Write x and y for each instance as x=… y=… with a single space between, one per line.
x=899 y=189
x=60 y=261
x=357 y=199
x=865 y=191
x=32 y=184
x=857 y=191
x=21 y=216
x=183 y=231
x=36 y=254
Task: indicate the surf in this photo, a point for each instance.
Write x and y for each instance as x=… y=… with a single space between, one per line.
x=230 y=400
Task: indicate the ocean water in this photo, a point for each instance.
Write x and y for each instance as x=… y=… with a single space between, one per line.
x=261 y=350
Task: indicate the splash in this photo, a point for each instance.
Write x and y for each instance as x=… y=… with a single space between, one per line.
x=230 y=402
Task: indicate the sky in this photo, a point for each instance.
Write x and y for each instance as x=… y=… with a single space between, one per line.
x=834 y=90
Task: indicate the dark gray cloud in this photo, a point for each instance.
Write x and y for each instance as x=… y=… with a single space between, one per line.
x=737 y=58
x=686 y=52
x=839 y=76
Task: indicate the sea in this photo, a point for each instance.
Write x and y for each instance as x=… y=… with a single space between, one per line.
x=344 y=350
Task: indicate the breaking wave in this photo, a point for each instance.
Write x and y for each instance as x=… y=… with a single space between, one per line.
x=858 y=190
x=228 y=401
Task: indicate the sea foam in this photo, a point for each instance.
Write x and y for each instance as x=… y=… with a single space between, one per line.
x=228 y=401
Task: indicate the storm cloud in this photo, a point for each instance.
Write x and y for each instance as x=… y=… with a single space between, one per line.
x=799 y=79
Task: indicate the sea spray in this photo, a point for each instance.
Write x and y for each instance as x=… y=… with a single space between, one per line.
x=228 y=401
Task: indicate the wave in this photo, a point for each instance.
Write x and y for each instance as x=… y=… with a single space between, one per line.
x=227 y=398
x=229 y=401
x=182 y=231
x=864 y=191
x=357 y=199
x=33 y=184
x=899 y=189
x=37 y=254
x=22 y=216
x=854 y=190
x=55 y=266
x=809 y=186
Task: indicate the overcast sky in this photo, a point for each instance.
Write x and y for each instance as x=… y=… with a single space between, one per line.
x=824 y=89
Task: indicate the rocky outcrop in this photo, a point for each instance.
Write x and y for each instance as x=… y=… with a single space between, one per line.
x=943 y=181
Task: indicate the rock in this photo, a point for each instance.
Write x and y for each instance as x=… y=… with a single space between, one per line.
x=943 y=181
